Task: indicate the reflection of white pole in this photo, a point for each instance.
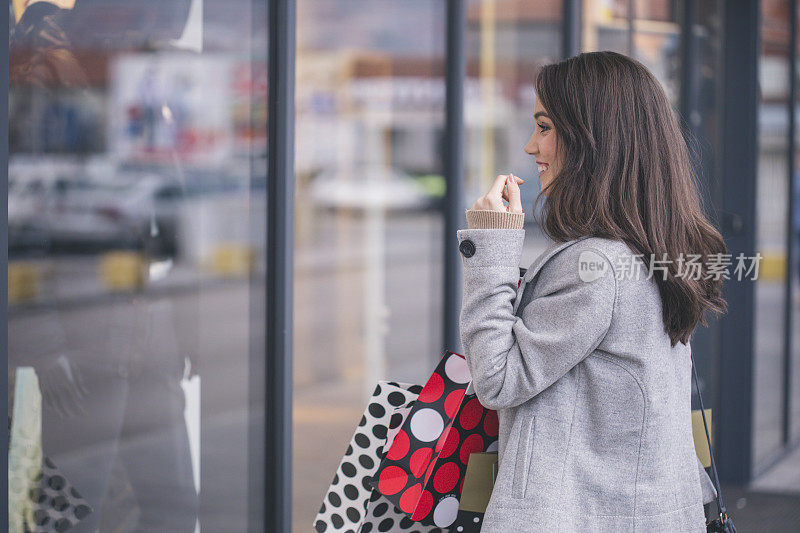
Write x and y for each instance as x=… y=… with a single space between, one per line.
x=375 y=311
x=191 y=415
x=376 y=150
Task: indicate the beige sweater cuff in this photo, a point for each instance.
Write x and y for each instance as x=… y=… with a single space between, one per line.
x=489 y=219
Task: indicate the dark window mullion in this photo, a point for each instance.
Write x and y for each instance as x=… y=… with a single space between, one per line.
x=790 y=233
x=279 y=267
x=4 y=276
x=741 y=22
x=455 y=74
x=688 y=54
x=571 y=26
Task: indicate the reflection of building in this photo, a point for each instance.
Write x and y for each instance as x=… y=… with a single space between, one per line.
x=173 y=106
x=386 y=106
x=192 y=106
x=354 y=107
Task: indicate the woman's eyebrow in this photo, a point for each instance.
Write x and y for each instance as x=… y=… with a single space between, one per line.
x=541 y=114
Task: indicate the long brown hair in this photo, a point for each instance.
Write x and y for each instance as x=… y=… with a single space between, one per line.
x=626 y=175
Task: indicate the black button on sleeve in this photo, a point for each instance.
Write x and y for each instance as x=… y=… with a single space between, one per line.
x=467 y=248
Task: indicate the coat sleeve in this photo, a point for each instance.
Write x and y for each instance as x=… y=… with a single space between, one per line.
x=514 y=358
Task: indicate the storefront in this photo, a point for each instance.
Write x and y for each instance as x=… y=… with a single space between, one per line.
x=227 y=219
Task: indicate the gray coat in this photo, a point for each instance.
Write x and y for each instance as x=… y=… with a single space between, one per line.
x=594 y=405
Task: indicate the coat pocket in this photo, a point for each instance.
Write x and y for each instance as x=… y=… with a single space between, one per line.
x=524 y=457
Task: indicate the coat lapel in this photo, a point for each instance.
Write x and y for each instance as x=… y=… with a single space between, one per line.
x=539 y=262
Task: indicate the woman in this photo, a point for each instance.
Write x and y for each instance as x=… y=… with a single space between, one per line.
x=587 y=362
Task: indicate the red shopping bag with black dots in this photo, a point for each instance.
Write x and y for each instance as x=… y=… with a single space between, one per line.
x=423 y=471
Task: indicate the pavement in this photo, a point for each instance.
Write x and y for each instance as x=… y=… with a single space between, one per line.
x=771 y=502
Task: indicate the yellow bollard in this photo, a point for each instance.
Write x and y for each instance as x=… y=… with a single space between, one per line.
x=23 y=281
x=122 y=270
x=231 y=260
x=772 y=266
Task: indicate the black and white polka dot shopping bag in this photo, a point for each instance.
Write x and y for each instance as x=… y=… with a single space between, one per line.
x=345 y=504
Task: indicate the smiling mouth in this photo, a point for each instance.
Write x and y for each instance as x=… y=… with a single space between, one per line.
x=543 y=167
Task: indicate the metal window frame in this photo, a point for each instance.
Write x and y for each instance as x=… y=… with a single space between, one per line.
x=279 y=328
x=739 y=146
x=571 y=20
x=455 y=76
x=789 y=311
x=688 y=51
x=4 y=272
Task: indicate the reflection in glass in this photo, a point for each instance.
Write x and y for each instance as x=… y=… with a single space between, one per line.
x=368 y=250
x=656 y=43
x=507 y=43
x=606 y=26
x=134 y=173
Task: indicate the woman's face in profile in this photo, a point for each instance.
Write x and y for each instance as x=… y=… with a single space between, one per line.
x=542 y=144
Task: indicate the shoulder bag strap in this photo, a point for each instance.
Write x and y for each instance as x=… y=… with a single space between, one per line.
x=720 y=503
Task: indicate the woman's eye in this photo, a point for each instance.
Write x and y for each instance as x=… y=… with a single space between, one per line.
x=543 y=127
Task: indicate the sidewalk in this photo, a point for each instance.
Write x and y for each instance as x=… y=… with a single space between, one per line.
x=757 y=511
x=771 y=502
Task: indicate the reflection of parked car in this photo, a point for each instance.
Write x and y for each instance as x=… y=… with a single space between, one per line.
x=24 y=198
x=80 y=213
x=369 y=186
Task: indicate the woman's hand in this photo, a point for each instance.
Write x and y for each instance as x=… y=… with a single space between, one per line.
x=505 y=187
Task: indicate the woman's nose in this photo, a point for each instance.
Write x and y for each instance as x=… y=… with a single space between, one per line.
x=530 y=148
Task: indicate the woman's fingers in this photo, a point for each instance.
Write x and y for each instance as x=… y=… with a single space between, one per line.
x=519 y=181
x=499 y=191
x=497 y=186
x=514 y=196
x=493 y=199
